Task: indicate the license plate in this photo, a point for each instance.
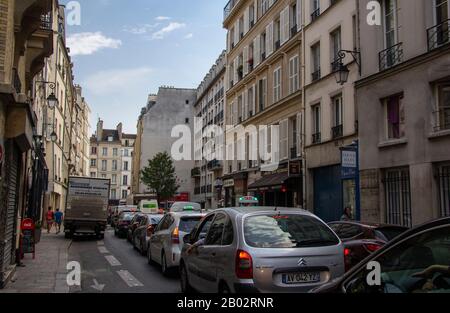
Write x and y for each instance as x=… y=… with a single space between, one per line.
x=301 y=278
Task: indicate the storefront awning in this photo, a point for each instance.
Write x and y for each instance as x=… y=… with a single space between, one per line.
x=271 y=180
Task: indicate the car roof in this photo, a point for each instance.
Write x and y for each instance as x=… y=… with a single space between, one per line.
x=265 y=209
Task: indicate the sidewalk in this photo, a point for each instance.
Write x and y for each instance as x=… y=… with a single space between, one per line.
x=47 y=273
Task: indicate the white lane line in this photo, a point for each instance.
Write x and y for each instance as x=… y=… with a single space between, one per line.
x=112 y=260
x=103 y=250
x=129 y=279
x=101 y=243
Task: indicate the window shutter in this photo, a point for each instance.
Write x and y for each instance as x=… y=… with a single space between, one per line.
x=284 y=24
x=269 y=38
x=262 y=142
x=284 y=139
x=246 y=20
x=256 y=50
x=254 y=99
x=235 y=112
x=236 y=32
x=245 y=57
x=235 y=69
x=256 y=10
x=299 y=133
x=299 y=15
x=245 y=113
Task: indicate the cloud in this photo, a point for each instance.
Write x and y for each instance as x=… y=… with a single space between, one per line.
x=168 y=29
x=141 y=30
x=110 y=81
x=162 y=18
x=189 y=36
x=89 y=43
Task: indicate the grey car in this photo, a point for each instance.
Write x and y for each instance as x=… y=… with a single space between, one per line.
x=166 y=243
x=263 y=249
x=141 y=235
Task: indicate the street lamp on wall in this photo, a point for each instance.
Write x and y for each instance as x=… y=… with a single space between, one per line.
x=342 y=72
x=52 y=101
x=53 y=137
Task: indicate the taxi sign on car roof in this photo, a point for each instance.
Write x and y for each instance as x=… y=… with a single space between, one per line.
x=248 y=199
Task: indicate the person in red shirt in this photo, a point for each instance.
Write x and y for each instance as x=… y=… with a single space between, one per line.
x=50 y=219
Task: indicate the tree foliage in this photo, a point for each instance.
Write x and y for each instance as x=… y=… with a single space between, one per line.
x=160 y=176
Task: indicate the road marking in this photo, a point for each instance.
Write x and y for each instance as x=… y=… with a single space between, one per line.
x=129 y=279
x=101 y=243
x=103 y=250
x=112 y=260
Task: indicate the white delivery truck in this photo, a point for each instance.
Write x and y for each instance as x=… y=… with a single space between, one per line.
x=87 y=206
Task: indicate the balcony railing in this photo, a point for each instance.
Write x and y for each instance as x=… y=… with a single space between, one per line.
x=263 y=56
x=277 y=45
x=214 y=165
x=337 y=131
x=228 y=8
x=16 y=81
x=316 y=138
x=315 y=14
x=293 y=30
x=391 y=56
x=443 y=118
x=438 y=35
x=195 y=172
x=46 y=21
x=316 y=75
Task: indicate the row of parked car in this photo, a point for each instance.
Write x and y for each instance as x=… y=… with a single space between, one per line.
x=267 y=249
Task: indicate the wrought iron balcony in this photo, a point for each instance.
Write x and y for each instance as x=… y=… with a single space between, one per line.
x=316 y=75
x=46 y=21
x=277 y=45
x=337 y=131
x=293 y=30
x=438 y=35
x=228 y=8
x=316 y=138
x=443 y=118
x=391 y=56
x=214 y=165
x=195 y=172
x=315 y=14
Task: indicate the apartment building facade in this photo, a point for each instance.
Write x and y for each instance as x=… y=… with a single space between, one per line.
x=264 y=88
x=26 y=39
x=171 y=107
x=209 y=110
x=110 y=158
x=404 y=112
x=330 y=108
x=81 y=133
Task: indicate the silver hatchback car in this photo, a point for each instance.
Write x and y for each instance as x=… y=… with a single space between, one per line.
x=263 y=249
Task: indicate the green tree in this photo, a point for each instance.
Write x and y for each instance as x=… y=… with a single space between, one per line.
x=160 y=176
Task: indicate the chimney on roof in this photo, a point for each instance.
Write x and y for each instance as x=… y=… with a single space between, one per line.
x=99 y=132
x=119 y=130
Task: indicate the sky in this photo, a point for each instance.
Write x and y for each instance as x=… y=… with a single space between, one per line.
x=124 y=50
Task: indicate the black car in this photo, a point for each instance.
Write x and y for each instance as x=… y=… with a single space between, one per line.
x=418 y=261
x=362 y=239
x=123 y=222
x=135 y=222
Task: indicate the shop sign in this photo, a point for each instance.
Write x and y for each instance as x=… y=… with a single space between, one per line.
x=228 y=183
x=349 y=164
x=28 y=237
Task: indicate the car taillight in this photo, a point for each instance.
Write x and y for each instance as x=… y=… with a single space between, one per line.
x=347 y=259
x=372 y=247
x=176 y=235
x=150 y=230
x=244 y=265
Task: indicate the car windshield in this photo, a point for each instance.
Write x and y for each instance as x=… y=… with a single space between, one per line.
x=127 y=217
x=287 y=231
x=188 y=223
x=155 y=219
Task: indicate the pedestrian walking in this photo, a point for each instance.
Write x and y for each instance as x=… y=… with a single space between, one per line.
x=347 y=216
x=50 y=219
x=58 y=220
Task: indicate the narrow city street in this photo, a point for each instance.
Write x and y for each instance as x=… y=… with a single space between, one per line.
x=113 y=266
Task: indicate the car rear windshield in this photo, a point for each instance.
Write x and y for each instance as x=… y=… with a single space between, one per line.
x=188 y=223
x=389 y=233
x=287 y=231
x=127 y=217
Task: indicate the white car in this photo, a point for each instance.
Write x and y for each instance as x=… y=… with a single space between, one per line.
x=166 y=243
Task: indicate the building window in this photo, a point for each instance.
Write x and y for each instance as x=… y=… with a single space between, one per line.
x=110 y=138
x=262 y=94
x=104 y=165
x=105 y=151
x=115 y=152
x=394 y=117
x=94 y=163
x=393 y=54
x=114 y=165
x=114 y=179
x=335 y=39
x=125 y=166
x=277 y=34
x=398 y=197
x=277 y=85
x=126 y=152
x=293 y=75
x=124 y=194
x=337 y=109
x=444 y=189
x=93 y=150
x=104 y=176
x=251 y=102
x=264 y=6
x=125 y=180
x=113 y=194
x=315 y=12
x=315 y=62
x=443 y=107
x=93 y=175
x=316 y=125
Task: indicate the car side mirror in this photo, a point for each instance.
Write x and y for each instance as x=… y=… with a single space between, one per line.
x=187 y=238
x=202 y=236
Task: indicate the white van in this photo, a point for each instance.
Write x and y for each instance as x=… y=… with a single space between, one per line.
x=148 y=206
